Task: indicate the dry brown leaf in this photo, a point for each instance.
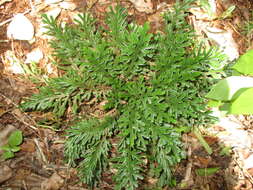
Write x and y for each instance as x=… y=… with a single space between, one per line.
x=28 y=146
x=204 y=161
x=55 y=182
x=5 y=173
x=4 y=1
x=91 y=3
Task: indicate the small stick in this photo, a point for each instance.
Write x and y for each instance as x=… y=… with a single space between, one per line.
x=42 y=155
x=27 y=116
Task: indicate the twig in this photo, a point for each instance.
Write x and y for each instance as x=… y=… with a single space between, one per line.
x=42 y=155
x=27 y=116
x=187 y=177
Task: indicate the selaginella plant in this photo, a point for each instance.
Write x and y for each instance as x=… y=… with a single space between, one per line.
x=151 y=86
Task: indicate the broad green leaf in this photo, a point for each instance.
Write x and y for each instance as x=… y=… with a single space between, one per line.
x=225 y=89
x=206 y=171
x=15 y=148
x=15 y=138
x=7 y=154
x=225 y=151
x=245 y=63
x=5 y=147
x=214 y=103
x=243 y=104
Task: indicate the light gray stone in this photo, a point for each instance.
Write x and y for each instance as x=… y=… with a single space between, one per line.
x=20 y=28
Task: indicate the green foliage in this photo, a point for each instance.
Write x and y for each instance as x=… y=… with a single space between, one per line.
x=206 y=6
x=228 y=13
x=34 y=73
x=226 y=88
x=234 y=94
x=244 y=64
x=206 y=171
x=12 y=146
x=153 y=85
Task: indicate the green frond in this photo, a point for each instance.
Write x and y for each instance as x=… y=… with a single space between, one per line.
x=128 y=169
x=117 y=23
x=89 y=139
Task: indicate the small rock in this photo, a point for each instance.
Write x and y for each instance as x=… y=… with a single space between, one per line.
x=20 y=28
x=34 y=56
x=5 y=173
x=248 y=163
x=68 y=5
x=54 y=12
x=224 y=40
x=74 y=15
x=49 y=2
x=12 y=63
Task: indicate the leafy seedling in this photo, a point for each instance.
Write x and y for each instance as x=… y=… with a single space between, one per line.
x=225 y=151
x=206 y=171
x=13 y=145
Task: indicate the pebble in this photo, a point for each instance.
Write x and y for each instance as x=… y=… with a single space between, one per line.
x=12 y=63
x=20 y=28
x=248 y=163
x=54 y=12
x=224 y=40
x=34 y=56
x=68 y=5
x=49 y=2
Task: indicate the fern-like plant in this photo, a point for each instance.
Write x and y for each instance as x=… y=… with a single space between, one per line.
x=155 y=87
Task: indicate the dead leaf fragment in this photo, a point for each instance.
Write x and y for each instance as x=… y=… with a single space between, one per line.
x=91 y=3
x=4 y=134
x=28 y=146
x=55 y=182
x=5 y=173
x=143 y=5
x=4 y=1
x=204 y=161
